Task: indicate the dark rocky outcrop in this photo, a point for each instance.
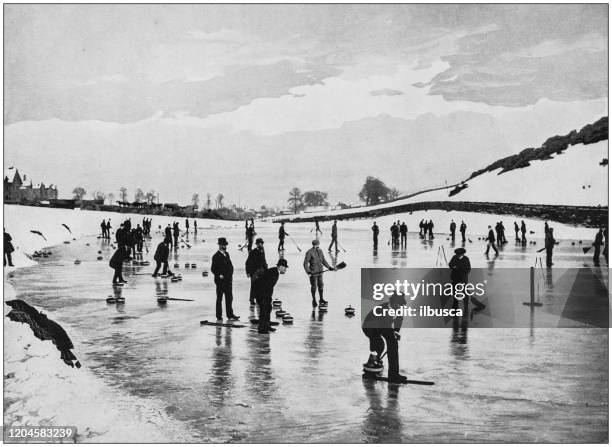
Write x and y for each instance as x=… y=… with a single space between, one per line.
x=589 y=134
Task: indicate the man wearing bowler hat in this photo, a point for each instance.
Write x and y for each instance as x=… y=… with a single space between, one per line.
x=264 y=289
x=223 y=270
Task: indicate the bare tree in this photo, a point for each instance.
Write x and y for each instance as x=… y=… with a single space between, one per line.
x=99 y=195
x=150 y=196
x=208 y=200
x=123 y=193
x=220 y=198
x=139 y=196
x=195 y=199
x=295 y=199
x=78 y=193
x=111 y=198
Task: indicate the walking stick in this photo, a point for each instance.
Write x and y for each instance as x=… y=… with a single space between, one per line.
x=296 y=245
x=444 y=253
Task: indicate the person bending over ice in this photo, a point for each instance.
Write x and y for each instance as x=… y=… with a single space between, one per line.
x=383 y=330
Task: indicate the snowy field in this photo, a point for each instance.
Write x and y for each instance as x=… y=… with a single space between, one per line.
x=152 y=373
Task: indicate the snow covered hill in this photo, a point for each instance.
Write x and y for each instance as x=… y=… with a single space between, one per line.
x=572 y=178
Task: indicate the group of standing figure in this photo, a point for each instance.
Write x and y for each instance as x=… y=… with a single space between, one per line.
x=399 y=233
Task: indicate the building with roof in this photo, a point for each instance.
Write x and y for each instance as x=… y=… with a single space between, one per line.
x=17 y=190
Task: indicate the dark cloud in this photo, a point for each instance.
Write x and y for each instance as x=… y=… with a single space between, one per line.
x=134 y=100
x=505 y=67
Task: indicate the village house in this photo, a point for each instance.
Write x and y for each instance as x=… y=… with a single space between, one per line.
x=16 y=189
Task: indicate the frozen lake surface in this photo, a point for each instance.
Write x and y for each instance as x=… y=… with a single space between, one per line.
x=303 y=383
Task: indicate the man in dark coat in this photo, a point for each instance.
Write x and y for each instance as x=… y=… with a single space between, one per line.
x=491 y=242
x=281 y=236
x=255 y=265
x=597 y=245
x=264 y=289
x=8 y=249
x=223 y=270
x=460 y=268
x=375 y=231
x=177 y=232
x=453 y=226
x=403 y=233
x=462 y=229
x=108 y=227
x=250 y=234
x=516 y=232
x=334 y=237
x=549 y=244
x=103 y=227
x=161 y=257
x=523 y=232
x=382 y=330
x=168 y=233
x=116 y=263
x=139 y=238
x=430 y=227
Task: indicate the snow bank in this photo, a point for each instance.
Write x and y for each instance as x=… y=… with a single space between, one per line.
x=39 y=389
x=571 y=178
x=20 y=220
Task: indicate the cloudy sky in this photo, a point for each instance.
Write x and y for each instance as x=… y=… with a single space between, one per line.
x=251 y=100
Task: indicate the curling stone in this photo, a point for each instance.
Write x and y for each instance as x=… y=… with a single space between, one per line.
x=120 y=299
x=182 y=246
x=145 y=263
x=349 y=310
x=193 y=266
x=176 y=265
x=322 y=310
x=180 y=277
x=74 y=238
x=372 y=370
x=174 y=279
x=45 y=255
x=77 y=261
x=287 y=319
x=204 y=273
x=111 y=300
x=66 y=242
x=323 y=305
x=277 y=303
x=186 y=265
x=573 y=243
x=280 y=313
x=99 y=258
x=162 y=300
x=580 y=242
x=87 y=244
x=99 y=252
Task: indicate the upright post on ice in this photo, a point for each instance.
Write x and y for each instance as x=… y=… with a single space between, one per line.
x=532 y=303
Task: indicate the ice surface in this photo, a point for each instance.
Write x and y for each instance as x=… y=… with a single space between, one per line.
x=302 y=383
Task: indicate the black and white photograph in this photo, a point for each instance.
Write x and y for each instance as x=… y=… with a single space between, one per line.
x=306 y=223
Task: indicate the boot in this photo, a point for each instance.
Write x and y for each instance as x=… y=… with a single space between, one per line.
x=397 y=378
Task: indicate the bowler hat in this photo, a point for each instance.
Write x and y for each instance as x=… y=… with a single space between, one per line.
x=221 y=241
x=259 y=240
x=282 y=263
x=460 y=251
